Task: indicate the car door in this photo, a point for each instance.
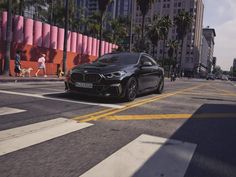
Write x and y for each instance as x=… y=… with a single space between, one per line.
x=147 y=72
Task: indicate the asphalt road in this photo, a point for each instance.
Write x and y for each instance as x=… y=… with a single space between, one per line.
x=199 y=112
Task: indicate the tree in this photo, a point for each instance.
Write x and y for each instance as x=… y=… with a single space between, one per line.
x=165 y=24
x=154 y=35
x=144 y=6
x=172 y=51
x=102 y=6
x=66 y=11
x=183 y=23
x=6 y=70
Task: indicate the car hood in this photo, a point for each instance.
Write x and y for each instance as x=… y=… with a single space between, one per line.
x=100 y=68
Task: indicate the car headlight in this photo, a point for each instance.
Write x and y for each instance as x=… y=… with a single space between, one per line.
x=117 y=74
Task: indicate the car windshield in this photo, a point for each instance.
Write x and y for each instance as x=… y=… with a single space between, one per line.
x=121 y=59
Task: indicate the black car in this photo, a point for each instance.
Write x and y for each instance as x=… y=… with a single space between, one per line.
x=120 y=75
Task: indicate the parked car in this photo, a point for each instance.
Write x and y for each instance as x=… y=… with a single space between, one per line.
x=210 y=77
x=120 y=75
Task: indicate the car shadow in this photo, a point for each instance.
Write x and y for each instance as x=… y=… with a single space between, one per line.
x=215 y=153
x=85 y=98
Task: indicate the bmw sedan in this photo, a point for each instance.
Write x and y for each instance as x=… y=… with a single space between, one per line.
x=119 y=75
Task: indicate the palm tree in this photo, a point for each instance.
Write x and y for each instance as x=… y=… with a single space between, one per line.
x=66 y=11
x=154 y=35
x=172 y=52
x=6 y=70
x=102 y=6
x=165 y=25
x=183 y=24
x=144 y=8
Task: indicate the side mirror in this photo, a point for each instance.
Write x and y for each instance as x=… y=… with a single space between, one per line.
x=147 y=63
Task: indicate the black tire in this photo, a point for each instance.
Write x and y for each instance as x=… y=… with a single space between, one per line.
x=160 y=86
x=131 y=89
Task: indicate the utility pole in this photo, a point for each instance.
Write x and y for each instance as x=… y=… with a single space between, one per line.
x=65 y=37
x=6 y=70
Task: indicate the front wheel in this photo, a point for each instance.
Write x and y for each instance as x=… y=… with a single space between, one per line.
x=160 y=86
x=131 y=89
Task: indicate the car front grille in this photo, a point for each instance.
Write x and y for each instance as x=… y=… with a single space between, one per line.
x=91 y=78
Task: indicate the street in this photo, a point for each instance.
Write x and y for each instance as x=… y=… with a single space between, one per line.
x=188 y=131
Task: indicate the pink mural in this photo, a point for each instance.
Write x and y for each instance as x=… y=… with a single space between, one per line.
x=60 y=39
x=98 y=42
x=53 y=37
x=28 y=35
x=110 y=48
x=73 y=42
x=68 y=41
x=38 y=33
x=94 y=47
x=84 y=45
x=103 y=48
x=90 y=43
x=79 y=43
x=18 y=29
x=46 y=35
x=4 y=25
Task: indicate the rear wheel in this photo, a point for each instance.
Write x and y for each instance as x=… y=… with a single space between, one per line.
x=160 y=86
x=131 y=89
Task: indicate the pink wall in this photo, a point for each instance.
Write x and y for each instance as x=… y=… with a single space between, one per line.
x=107 y=47
x=28 y=35
x=68 y=41
x=18 y=29
x=46 y=35
x=84 y=45
x=53 y=36
x=73 y=42
x=79 y=43
x=94 y=47
x=60 y=39
x=110 y=47
x=97 y=53
x=4 y=25
x=90 y=43
x=103 y=48
x=38 y=33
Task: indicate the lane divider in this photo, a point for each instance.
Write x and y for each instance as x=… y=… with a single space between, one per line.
x=170 y=116
x=102 y=114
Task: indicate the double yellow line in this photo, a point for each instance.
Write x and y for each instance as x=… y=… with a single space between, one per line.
x=108 y=112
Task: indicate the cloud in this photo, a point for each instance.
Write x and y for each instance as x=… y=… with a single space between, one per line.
x=221 y=15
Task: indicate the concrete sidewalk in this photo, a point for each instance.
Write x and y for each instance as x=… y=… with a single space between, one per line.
x=50 y=78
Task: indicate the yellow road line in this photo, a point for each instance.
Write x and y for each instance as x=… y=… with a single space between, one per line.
x=222 y=90
x=98 y=115
x=170 y=116
x=207 y=94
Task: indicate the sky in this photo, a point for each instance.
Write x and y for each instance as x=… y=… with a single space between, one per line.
x=221 y=15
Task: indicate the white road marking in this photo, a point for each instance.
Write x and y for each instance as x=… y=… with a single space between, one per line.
x=146 y=156
x=7 y=110
x=37 y=133
x=63 y=100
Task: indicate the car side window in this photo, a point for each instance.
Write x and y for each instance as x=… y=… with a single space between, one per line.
x=147 y=59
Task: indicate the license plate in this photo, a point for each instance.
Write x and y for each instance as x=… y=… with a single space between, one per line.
x=84 y=85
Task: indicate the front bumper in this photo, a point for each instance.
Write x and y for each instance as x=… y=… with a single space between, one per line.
x=98 y=90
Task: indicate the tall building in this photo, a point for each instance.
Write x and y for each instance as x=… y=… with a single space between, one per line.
x=210 y=34
x=115 y=9
x=204 y=57
x=192 y=43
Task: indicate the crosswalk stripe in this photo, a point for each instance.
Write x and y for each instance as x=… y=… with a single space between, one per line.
x=8 y=110
x=146 y=156
x=22 y=137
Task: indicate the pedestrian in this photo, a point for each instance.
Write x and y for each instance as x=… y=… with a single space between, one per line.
x=17 y=64
x=41 y=65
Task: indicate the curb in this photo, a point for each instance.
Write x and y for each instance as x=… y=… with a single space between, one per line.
x=11 y=80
